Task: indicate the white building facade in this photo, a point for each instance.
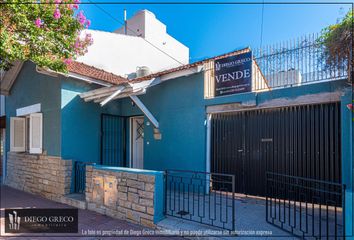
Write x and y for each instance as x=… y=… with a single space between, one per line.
x=143 y=42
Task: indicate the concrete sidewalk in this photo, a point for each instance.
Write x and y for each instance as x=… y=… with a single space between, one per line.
x=88 y=220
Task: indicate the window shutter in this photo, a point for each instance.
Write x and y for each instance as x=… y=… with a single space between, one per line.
x=35 y=133
x=17 y=134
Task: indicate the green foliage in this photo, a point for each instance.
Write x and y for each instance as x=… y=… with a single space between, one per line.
x=337 y=40
x=47 y=33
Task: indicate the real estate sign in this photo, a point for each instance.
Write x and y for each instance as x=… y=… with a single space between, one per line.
x=233 y=74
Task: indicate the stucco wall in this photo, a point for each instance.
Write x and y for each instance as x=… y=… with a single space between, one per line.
x=347 y=159
x=125 y=53
x=81 y=122
x=179 y=108
x=31 y=88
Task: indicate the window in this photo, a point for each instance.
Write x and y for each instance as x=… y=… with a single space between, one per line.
x=26 y=133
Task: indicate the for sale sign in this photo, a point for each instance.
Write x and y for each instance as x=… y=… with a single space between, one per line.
x=233 y=74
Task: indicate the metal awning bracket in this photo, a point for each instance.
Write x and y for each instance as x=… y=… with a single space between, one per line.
x=144 y=109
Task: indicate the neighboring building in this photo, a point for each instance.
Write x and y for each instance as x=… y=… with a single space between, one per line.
x=146 y=44
x=177 y=119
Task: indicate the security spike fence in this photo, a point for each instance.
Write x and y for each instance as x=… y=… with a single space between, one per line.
x=297 y=62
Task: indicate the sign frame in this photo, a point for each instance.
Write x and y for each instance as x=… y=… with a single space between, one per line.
x=233 y=74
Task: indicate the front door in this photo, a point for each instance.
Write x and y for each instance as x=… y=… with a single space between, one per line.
x=137 y=142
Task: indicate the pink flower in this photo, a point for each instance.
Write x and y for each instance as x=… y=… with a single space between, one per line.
x=57 y=1
x=88 y=38
x=88 y=23
x=75 y=5
x=77 y=44
x=38 y=22
x=67 y=61
x=56 y=14
x=81 y=18
x=72 y=6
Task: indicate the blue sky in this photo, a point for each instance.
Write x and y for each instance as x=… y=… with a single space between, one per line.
x=210 y=30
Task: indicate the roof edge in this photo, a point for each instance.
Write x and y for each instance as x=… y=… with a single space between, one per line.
x=190 y=65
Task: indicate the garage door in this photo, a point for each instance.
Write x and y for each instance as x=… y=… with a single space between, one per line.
x=299 y=141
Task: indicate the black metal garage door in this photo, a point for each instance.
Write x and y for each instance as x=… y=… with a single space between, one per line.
x=301 y=141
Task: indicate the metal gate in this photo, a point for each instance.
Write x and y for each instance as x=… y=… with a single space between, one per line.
x=80 y=176
x=113 y=139
x=305 y=207
x=301 y=141
x=201 y=197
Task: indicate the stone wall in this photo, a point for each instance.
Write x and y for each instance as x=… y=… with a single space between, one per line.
x=128 y=194
x=43 y=175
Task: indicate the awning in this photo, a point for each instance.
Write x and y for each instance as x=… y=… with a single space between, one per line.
x=107 y=94
x=131 y=90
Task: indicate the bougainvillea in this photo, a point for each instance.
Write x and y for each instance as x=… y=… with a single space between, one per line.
x=337 y=40
x=47 y=32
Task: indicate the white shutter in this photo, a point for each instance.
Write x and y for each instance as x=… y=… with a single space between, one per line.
x=17 y=134
x=35 y=133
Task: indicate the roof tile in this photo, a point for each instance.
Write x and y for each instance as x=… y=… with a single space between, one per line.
x=188 y=66
x=93 y=72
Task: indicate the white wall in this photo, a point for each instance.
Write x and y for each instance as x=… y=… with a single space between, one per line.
x=122 y=54
x=145 y=24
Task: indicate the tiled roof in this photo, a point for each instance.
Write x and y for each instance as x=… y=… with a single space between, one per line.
x=96 y=73
x=188 y=66
x=93 y=72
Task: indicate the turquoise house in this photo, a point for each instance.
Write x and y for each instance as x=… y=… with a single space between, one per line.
x=172 y=120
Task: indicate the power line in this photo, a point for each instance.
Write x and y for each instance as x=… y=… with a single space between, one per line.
x=135 y=33
x=262 y=25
